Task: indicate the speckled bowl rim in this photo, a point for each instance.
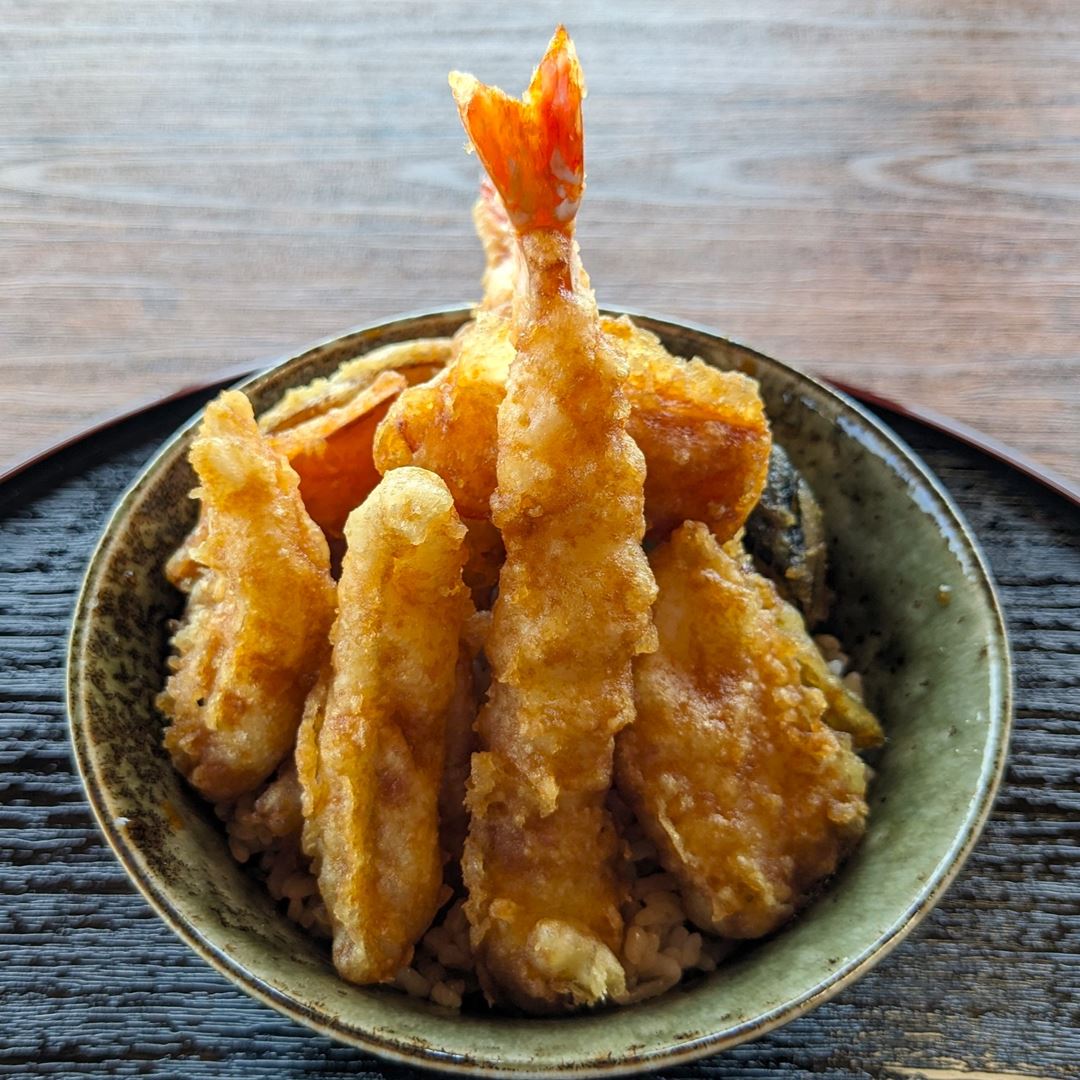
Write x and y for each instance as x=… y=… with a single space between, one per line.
x=647 y=1058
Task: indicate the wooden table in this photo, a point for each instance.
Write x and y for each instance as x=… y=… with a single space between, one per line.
x=886 y=192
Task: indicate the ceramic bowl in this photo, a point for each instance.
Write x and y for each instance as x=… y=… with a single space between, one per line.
x=937 y=674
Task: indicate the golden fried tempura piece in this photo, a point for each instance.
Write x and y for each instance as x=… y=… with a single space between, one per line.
x=332 y=452
x=448 y=425
x=260 y=604
x=417 y=361
x=750 y=797
x=371 y=749
x=703 y=431
x=500 y=251
x=326 y=428
x=575 y=589
x=844 y=712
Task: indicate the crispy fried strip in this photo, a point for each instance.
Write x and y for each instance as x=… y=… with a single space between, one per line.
x=574 y=592
x=372 y=746
x=260 y=603
x=751 y=799
x=416 y=360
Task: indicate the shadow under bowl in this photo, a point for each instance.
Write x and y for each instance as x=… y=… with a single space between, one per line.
x=937 y=674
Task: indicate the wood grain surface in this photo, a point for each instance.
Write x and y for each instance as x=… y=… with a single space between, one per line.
x=93 y=984
x=886 y=191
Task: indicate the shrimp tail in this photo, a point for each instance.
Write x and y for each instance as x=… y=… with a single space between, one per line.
x=532 y=148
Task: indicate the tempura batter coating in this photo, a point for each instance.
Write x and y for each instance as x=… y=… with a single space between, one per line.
x=501 y=252
x=260 y=604
x=371 y=749
x=703 y=431
x=326 y=427
x=751 y=799
x=332 y=452
x=448 y=425
x=416 y=360
x=575 y=589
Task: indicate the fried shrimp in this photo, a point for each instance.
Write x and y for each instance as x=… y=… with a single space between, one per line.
x=750 y=797
x=448 y=425
x=575 y=589
x=260 y=604
x=372 y=747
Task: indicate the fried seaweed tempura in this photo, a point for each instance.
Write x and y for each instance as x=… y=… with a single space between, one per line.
x=260 y=604
x=372 y=747
x=751 y=798
x=574 y=592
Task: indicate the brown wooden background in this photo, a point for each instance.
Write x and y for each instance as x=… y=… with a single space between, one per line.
x=887 y=191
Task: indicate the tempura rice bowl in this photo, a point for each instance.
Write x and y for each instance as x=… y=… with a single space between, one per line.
x=937 y=675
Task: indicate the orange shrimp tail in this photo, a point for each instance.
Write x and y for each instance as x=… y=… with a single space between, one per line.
x=532 y=149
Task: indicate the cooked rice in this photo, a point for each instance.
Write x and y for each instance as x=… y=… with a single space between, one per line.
x=660 y=945
x=839 y=664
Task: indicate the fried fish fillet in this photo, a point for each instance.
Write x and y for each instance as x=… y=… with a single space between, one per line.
x=260 y=604
x=574 y=592
x=750 y=797
x=372 y=748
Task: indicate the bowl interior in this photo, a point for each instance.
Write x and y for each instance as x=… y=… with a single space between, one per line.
x=914 y=606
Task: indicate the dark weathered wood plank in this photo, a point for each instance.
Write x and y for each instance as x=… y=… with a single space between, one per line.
x=93 y=983
x=883 y=190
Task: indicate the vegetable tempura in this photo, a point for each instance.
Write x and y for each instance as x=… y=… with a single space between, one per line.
x=260 y=604
x=372 y=748
x=750 y=798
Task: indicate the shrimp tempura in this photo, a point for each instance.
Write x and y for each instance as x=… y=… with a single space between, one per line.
x=750 y=797
x=372 y=747
x=260 y=604
x=575 y=590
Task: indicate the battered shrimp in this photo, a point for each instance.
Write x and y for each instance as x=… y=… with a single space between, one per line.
x=448 y=425
x=260 y=604
x=372 y=747
x=575 y=590
x=751 y=799
x=500 y=251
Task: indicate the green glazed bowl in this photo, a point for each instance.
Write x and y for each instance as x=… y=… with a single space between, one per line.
x=937 y=674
